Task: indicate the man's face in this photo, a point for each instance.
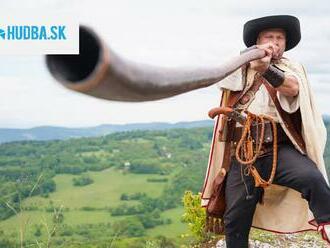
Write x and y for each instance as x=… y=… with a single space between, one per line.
x=275 y=36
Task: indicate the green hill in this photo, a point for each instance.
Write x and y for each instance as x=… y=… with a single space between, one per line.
x=119 y=190
x=61 y=133
x=134 y=185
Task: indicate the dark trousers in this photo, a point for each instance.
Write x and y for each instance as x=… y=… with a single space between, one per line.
x=294 y=170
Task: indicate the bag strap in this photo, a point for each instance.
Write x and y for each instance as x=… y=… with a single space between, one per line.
x=240 y=99
x=237 y=99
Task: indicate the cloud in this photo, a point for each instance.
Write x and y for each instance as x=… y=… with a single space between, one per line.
x=167 y=33
x=24 y=105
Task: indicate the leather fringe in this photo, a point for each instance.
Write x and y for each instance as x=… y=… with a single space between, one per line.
x=214 y=224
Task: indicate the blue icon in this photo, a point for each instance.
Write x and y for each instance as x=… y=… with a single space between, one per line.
x=2 y=33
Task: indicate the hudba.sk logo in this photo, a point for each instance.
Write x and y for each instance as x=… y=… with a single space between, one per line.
x=25 y=32
x=2 y=34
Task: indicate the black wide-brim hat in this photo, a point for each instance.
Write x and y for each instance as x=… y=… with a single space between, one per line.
x=289 y=23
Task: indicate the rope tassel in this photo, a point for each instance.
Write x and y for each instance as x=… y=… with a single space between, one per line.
x=214 y=225
x=247 y=155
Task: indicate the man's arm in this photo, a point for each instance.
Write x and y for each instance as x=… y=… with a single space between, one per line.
x=290 y=86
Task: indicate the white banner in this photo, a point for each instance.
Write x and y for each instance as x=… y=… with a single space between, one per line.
x=35 y=34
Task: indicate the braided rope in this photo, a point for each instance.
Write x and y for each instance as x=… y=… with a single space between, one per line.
x=249 y=154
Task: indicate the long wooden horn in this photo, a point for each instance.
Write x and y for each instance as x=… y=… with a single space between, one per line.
x=98 y=71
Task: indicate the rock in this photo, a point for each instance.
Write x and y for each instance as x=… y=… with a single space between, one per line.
x=288 y=240
x=252 y=244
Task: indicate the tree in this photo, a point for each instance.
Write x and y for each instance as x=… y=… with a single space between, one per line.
x=130 y=227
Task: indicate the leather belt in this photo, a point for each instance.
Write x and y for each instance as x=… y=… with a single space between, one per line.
x=268 y=135
x=267 y=147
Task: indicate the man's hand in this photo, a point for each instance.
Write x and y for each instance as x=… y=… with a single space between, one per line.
x=290 y=85
x=261 y=65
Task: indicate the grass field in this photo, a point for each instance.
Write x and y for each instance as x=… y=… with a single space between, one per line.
x=103 y=193
x=172 y=230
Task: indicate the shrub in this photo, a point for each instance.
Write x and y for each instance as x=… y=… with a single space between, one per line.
x=157 y=180
x=130 y=227
x=194 y=215
x=82 y=180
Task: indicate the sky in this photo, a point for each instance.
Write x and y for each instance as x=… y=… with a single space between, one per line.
x=172 y=33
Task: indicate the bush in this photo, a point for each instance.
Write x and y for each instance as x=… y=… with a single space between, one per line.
x=123 y=209
x=82 y=180
x=194 y=215
x=87 y=208
x=130 y=227
x=37 y=232
x=150 y=220
x=134 y=196
x=157 y=180
x=147 y=166
x=124 y=197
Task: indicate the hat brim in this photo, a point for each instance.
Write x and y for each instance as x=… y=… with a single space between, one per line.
x=290 y=24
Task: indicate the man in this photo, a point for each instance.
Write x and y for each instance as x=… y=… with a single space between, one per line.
x=297 y=197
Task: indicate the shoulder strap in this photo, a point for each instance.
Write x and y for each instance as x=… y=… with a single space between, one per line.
x=242 y=99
